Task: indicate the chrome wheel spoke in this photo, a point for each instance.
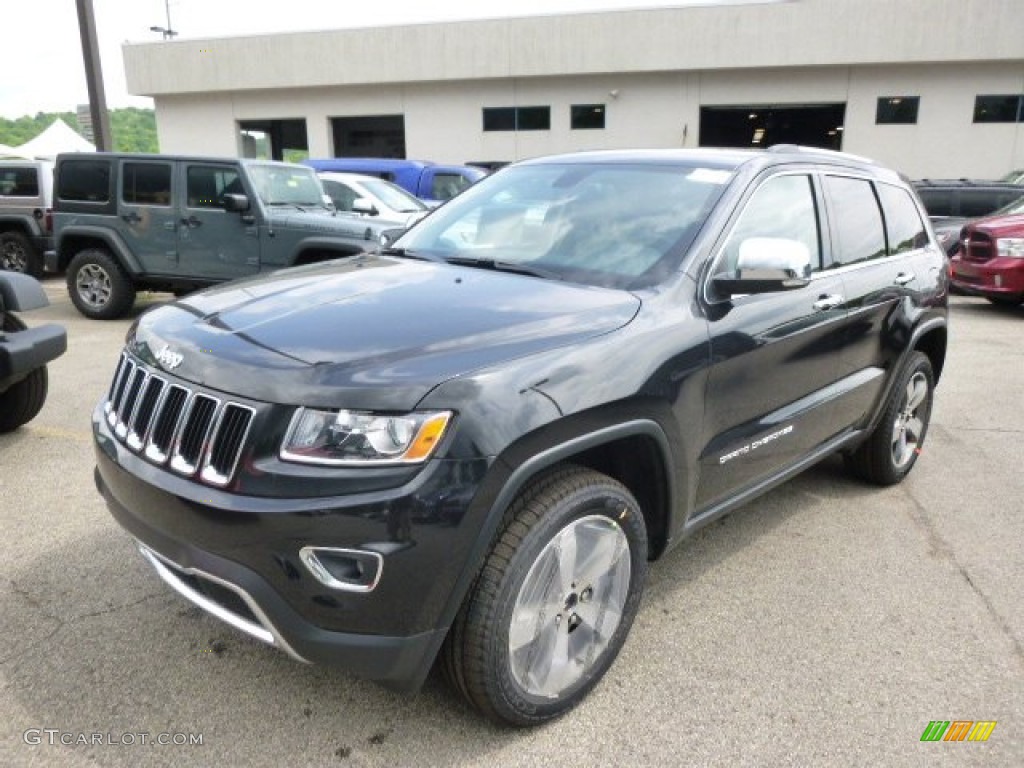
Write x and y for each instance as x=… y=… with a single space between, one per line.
x=917 y=390
x=569 y=606
x=915 y=428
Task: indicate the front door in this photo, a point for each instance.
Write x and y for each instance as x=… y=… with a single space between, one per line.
x=214 y=244
x=147 y=214
x=774 y=358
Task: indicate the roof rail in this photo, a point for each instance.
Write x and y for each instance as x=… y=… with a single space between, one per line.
x=819 y=151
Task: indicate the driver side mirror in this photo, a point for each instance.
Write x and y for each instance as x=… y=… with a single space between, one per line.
x=766 y=265
x=235 y=203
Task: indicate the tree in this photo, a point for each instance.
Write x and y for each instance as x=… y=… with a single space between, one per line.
x=132 y=129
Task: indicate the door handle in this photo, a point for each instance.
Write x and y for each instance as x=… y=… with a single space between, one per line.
x=903 y=278
x=192 y=222
x=131 y=218
x=829 y=301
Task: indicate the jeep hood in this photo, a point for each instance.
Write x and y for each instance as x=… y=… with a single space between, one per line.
x=368 y=332
x=1001 y=226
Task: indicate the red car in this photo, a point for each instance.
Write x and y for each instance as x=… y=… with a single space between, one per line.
x=990 y=261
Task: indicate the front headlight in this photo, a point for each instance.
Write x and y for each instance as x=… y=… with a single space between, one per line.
x=1010 y=247
x=357 y=438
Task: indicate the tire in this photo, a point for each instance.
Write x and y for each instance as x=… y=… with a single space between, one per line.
x=98 y=286
x=17 y=254
x=1006 y=301
x=888 y=455
x=524 y=612
x=20 y=403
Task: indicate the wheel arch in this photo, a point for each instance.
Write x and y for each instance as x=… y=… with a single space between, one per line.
x=316 y=249
x=75 y=240
x=932 y=340
x=624 y=451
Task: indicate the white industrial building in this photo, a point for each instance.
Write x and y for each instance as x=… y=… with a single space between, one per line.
x=932 y=87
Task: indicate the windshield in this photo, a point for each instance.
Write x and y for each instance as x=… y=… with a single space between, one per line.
x=619 y=225
x=1011 y=209
x=287 y=185
x=393 y=196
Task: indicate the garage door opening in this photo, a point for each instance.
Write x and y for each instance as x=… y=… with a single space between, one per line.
x=274 y=139
x=811 y=125
x=369 y=136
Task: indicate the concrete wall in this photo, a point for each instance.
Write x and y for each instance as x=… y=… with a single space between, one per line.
x=653 y=69
x=443 y=121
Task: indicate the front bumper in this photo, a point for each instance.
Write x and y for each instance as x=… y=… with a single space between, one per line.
x=21 y=352
x=238 y=558
x=995 y=277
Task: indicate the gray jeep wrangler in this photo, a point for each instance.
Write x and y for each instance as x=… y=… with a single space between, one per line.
x=26 y=192
x=126 y=222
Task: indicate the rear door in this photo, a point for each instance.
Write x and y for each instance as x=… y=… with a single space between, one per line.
x=214 y=244
x=881 y=248
x=147 y=216
x=775 y=356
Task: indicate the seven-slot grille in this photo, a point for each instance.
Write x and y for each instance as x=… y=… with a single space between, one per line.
x=979 y=247
x=171 y=424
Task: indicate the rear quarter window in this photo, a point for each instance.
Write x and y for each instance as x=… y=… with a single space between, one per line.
x=904 y=228
x=85 y=181
x=19 y=182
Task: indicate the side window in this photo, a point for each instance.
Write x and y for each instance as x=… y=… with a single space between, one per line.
x=938 y=202
x=19 y=182
x=447 y=185
x=146 y=183
x=206 y=184
x=856 y=220
x=782 y=207
x=84 y=181
x=902 y=221
x=341 y=194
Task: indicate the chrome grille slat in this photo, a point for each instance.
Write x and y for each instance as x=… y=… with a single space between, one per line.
x=195 y=428
x=174 y=425
x=126 y=408
x=142 y=419
x=226 y=445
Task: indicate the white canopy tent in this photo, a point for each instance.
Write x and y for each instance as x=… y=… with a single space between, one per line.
x=59 y=137
x=7 y=152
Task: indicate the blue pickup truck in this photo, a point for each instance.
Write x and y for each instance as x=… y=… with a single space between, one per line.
x=428 y=181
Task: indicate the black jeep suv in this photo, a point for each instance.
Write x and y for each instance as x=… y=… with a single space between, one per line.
x=469 y=446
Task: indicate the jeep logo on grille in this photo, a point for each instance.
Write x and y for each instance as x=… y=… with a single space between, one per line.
x=168 y=358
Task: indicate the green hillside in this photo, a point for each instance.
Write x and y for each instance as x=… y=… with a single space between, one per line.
x=132 y=129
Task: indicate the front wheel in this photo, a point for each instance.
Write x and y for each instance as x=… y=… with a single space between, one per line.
x=888 y=455
x=554 y=601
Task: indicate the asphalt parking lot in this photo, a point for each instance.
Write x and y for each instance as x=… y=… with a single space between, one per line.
x=825 y=624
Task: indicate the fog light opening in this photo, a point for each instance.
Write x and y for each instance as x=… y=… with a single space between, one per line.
x=348 y=570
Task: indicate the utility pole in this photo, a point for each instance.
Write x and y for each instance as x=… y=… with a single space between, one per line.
x=94 y=76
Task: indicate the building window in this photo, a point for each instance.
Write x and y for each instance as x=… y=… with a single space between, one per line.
x=998 y=109
x=897 y=110
x=517 y=118
x=587 y=117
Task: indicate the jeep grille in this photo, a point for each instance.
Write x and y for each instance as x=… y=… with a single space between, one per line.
x=191 y=432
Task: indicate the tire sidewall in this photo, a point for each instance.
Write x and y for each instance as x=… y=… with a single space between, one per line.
x=33 y=260
x=511 y=700
x=919 y=363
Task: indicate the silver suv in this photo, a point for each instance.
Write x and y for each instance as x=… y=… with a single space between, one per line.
x=26 y=199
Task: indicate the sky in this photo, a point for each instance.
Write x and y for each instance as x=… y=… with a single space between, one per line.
x=42 y=36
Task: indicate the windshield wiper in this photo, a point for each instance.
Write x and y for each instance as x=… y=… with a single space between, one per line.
x=504 y=266
x=294 y=205
x=408 y=253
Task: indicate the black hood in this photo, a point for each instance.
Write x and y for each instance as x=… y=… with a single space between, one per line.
x=369 y=332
